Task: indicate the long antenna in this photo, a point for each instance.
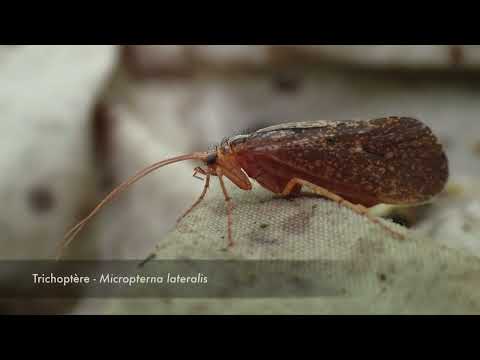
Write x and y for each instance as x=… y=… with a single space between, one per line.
x=119 y=189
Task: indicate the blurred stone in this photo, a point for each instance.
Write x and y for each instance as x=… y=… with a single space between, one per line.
x=184 y=60
x=231 y=55
x=46 y=168
x=399 y=56
x=159 y=59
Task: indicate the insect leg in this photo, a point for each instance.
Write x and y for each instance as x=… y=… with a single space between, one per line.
x=229 y=208
x=359 y=209
x=199 y=200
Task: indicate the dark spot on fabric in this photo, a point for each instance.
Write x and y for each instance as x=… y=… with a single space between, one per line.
x=297 y=223
x=382 y=277
x=262 y=240
x=41 y=199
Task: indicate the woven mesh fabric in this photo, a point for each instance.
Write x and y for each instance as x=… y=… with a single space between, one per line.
x=378 y=273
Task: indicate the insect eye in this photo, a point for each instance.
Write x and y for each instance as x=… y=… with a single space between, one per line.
x=211 y=159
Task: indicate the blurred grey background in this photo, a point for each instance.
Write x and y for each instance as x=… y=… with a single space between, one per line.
x=78 y=120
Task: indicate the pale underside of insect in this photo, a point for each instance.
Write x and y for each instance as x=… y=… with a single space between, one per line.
x=358 y=164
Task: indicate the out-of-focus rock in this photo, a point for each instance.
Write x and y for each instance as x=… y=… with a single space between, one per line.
x=231 y=55
x=46 y=167
x=153 y=60
x=409 y=57
x=398 y=56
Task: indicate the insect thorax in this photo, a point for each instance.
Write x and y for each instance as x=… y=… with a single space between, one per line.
x=234 y=140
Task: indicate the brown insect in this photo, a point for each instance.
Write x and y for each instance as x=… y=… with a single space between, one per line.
x=359 y=164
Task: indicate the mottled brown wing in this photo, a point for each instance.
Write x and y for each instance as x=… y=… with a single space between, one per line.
x=389 y=160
